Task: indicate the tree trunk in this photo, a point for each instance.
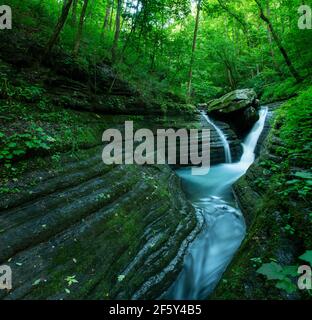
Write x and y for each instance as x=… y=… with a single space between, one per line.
x=107 y=15
x=117 y=30
x=80 y=27
x=283 y=51
x=58 y=28
x=277 y=68
x=189 y=87
x=133 y=28
x=111 y=16
x=74 y=13
x=64 y=5
x=230 y=77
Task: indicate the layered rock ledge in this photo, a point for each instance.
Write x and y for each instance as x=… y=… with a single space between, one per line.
x=119 y=231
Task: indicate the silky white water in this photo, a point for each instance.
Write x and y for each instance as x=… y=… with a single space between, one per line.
x=225 y=143
x=224 y=227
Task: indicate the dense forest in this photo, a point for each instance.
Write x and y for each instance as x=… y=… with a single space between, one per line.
x=194 y=50
x=69 y=69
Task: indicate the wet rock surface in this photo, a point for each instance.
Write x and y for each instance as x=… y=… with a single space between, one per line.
x=217 y=149
x=118 y=231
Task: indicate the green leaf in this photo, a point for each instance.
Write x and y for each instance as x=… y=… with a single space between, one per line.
x=121 y=278
x=290 y=271
x=18 y=152
x=272 y=271
x=36 y=282
x=50 y=139
x=44 y=146
x=292 y=181
x=71 y=280
x=30 y=144
x=307 y=256
x=303 y=175
x=12 y=145
x=286 y=285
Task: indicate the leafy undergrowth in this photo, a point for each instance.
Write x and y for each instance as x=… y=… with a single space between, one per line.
x=285 y=277
x=282 y=90
x=31 y=126
x=292 y=182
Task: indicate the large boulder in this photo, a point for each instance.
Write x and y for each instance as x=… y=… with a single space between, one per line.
x=233 y=101
x=238 y=107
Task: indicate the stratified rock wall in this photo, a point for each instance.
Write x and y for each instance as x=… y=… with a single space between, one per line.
x=118 y=231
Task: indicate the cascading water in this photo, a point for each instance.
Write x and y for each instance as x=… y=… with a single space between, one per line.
x=225 y=143
x=224 y=227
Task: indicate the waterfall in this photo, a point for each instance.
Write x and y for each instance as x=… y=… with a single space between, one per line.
x=225 y=143
x=224 y=228
x=251 y=141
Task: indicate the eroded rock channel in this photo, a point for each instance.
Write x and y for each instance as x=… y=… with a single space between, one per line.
x=120 y=232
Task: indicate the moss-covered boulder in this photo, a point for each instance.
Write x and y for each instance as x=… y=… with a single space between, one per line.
x=233 y=101
x=238 y=107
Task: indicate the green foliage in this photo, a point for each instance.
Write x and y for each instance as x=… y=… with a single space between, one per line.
x=281 y=90
x=307 y=256
x=19 y=144
x=289 y=229
x=284 y=275
x=292 y=126
x=288 y=177
x=24 y=92
x=295 y=116
x=70 y=280
x=274 y=271
x=256 y=261
x=233 y=49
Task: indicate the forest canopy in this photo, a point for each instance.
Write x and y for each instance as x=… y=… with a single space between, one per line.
x=196 y=48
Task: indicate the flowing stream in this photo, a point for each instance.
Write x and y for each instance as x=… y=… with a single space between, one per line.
x=224 y=226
